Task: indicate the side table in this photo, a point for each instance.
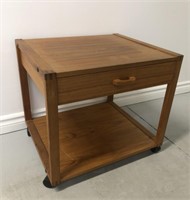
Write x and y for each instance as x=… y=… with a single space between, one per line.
x=72 y=69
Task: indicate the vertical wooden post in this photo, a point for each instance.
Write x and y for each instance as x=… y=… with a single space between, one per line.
x=170 y=91
x=24 y=86
x=110 y=98
x=52 y=128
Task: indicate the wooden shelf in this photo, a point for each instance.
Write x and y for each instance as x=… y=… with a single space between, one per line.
x=93 y=137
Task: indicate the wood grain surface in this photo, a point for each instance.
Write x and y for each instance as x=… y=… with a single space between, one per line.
x=94 y=136
x=81 y=87
x=75 y=55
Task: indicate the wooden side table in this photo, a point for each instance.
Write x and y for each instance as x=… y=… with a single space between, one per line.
x=71 y=69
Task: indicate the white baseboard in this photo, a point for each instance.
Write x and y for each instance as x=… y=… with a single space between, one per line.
x=15 y=121
x=148 y=94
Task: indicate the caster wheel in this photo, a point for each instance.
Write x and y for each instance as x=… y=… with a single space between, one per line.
x=155 y=149
x=47 y=183
x=28 y=133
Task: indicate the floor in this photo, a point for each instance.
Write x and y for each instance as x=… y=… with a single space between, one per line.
x=165 y=175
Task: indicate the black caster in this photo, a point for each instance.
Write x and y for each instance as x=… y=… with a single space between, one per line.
x=47 y=183
x=28 y=133
x=155 y=149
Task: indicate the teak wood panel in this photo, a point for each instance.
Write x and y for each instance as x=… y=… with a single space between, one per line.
x=41 y=65
x=33 y=73
x=86 y=86
x=79 y=55
x=148 y=45
x=132 y=120
x=94 y=136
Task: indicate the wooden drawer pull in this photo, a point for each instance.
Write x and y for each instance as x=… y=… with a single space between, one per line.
x=120 y=82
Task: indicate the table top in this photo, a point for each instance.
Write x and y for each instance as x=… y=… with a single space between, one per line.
x=83 y=54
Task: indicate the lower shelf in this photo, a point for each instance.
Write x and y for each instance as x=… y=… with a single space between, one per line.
x=94 y=136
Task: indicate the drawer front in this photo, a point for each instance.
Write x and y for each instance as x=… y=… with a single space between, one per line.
x=76 y=88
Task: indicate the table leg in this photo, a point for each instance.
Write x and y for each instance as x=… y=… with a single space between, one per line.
x=170 y=91
x=52 y=128
x=110 y=98
x=24 y=87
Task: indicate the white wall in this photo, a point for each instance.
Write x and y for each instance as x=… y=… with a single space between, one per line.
x=188 y=21
x=163 y=23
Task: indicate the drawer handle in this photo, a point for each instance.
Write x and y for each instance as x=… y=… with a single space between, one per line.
x=122 y=82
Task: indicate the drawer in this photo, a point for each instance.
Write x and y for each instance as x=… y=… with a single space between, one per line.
x=81 y=87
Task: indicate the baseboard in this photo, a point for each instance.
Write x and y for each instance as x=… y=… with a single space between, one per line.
x=148 y=94
x=15 y=121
